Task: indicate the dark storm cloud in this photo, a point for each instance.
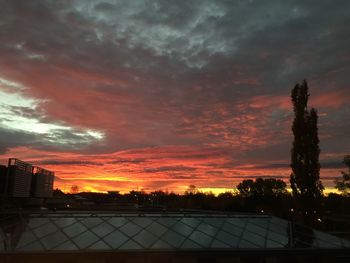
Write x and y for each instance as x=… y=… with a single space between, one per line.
x=67 y=162
x=178 y=168
x=10 y=139
x=59 y=140
x=328 y=165
x=183 y=177
x=26 y=112
x=268 y=176
x=126 y=161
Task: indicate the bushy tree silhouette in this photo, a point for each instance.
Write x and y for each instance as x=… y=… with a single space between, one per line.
x=191 y=190
x=305 y=177
x=262 y=187
x=343 y=184
x=74 y=189
x=246 y=187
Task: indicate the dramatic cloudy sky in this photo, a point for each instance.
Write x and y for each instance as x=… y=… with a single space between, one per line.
x=163 y=94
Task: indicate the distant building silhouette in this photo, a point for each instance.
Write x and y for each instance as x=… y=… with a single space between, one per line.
x=42 y=182
x=21 y=179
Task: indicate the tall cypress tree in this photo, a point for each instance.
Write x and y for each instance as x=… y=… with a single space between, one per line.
x=305 y=177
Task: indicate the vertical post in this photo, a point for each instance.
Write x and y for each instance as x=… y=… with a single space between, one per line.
x=4 y=197
x=290 y=234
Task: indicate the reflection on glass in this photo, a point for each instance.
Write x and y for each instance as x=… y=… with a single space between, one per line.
x=115 y=239
x=145 y=238
x=201 y=238
x=86 y=239
x=164 y=232
x=299 y=236
x=173 y=238
x=130 y=245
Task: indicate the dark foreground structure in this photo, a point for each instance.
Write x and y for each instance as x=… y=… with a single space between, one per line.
x=21 y=180
x=163 y=237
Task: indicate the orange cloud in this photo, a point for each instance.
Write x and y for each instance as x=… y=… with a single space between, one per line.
x=334 y=99
x=170 y=168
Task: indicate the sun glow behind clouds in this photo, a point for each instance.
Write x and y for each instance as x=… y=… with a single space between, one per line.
x=21 y=113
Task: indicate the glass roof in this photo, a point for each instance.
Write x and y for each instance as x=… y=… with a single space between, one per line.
x=64 y=232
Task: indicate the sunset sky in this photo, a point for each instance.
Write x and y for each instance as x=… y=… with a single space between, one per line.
x=127 y=95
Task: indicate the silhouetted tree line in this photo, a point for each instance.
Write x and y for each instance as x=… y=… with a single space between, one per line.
x=275 y=201
x=262 y=187
x=343 y=184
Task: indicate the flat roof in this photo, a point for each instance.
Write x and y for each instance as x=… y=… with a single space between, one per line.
x=99 y=231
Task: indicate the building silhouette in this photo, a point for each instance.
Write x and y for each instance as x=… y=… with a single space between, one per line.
x=24 y=180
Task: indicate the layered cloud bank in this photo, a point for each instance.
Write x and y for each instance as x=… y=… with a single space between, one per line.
x=120 y=95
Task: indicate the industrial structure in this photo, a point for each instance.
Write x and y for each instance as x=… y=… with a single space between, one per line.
x=23 y=180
